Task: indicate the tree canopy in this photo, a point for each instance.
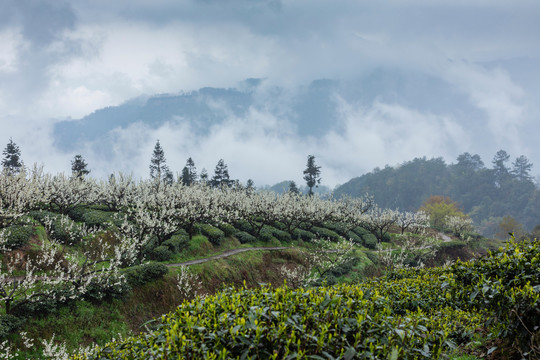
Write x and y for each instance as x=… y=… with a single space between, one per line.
x=485 y=194
x=12 y=158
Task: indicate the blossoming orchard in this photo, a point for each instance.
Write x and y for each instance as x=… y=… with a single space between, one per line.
x=82 y=254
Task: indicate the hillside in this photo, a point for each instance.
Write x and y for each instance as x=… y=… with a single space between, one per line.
x=485 y=194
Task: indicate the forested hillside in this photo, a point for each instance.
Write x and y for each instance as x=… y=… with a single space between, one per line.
x=486 y=194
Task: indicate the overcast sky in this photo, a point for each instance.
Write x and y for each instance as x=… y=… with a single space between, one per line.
x=65 y=59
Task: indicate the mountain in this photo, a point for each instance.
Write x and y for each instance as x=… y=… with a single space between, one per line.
x=314 y=109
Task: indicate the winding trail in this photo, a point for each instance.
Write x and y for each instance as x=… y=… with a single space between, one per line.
x=225 y=254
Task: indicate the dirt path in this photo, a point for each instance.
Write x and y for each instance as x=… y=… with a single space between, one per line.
x=224 y=255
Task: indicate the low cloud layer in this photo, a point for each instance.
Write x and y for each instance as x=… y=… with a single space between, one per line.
x=63 y=59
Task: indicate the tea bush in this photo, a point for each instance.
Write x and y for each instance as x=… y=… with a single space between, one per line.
x=214 y=235
x=145 y=273
x=18 y=236
x=244 y=237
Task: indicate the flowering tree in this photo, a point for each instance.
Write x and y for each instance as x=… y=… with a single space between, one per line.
x=379 y=221
x=63 y=193
x=458 y=224
x=415 y=222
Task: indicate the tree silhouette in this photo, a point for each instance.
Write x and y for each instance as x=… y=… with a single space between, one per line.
x=189 y=173
x=158 y=168
x=12 y=158
x=312 y=174
x=79 y=167
x=221 y=175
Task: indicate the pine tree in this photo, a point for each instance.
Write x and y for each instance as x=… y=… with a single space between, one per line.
x=521 y=169
x=158 y=167
x=204 y=176
x=79 y=167
x=312 y=174
x=12 y=158
x=189 y=173
x=501 y=171
x=221 y=175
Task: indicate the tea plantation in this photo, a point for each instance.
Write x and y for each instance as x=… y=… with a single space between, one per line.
x=407 y=314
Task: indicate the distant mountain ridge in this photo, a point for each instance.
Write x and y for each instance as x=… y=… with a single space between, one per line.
x=313 y=109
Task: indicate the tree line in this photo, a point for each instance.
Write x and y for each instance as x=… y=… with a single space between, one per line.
x=160 y=171
x=486 y=194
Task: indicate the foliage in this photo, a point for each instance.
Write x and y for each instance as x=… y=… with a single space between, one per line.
x=221 y=175
x=189 y=173
x=161 y=253
x=312 y=174
x=12 y=159
x=509 y=226
x=303 y=235
x=214 y=235
x=141 y=274
x=346 y=321
x=177 y=243
x=325 y=233
x=467 y=181
x=79 y=167
x=159 y=171
x=245 y=237
x=228 y=229
x=439 y=209
x=8 y=324
x=16 y=236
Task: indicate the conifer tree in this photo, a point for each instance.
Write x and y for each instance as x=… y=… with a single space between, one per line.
x=79 y=167
x=12 y=158
x=189 y=173
x=221 y=175
x=204 y=176
x=501 y=171
x=158 y=167
x=312 y=174
x=521 y=169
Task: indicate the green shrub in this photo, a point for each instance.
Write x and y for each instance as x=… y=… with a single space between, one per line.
x=324 y=233
x=279 y=225
x=245 y=237
x=355 y=238
x=304 y=235
x=8 y=324
x=18 y=236
x=212 y=233
x=228 y=229
x=370 y=241
x=161 y=253
x=271 y=232
x=77 y=213
x=97 y=291
x=177 y=243
x=41 y=215
x=337 y=227
x=145 y=273
x=97 y=218
x=245 y=226
x=266 y=234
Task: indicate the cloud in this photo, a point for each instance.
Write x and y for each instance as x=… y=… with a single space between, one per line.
x=64 y=59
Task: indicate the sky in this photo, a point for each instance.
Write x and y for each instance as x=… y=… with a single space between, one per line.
x=65 y=59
